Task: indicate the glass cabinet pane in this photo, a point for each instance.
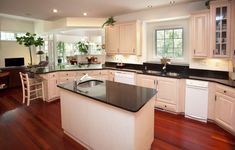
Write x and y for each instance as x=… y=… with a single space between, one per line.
x=221 y=24
x=224 y=24
x=224 y=12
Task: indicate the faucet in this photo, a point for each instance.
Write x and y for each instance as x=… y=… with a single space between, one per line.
x=83 y=77
x=165 y=61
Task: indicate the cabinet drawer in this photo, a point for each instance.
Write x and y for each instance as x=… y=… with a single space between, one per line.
x=52 y=75
x=225 y=90
x=165 y=106
x=67 y=74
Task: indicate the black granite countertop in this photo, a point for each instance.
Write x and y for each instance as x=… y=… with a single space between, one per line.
x=190 y=75
x=128 y=97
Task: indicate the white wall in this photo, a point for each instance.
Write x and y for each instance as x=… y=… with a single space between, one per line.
x=150 y=37
x=10 y=49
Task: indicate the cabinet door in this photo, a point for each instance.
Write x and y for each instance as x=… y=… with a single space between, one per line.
x=112 y=39
x=200 y=34
x=220 y=28
x=167 y=90
x=225 y=111
x=127 y=38
x=233 y=32
x=146 y=81
x=53 y=91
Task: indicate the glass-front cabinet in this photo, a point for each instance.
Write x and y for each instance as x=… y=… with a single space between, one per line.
x=220 y=26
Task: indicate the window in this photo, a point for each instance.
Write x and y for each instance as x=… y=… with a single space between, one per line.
x=169 y=43
x=10 y=36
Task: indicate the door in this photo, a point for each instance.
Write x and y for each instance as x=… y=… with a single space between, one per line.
x=127 y=38
x=225 y=111
x=112 y=39
x=200 y=34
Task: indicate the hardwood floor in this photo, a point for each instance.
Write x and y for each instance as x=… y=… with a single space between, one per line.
x=39 y=127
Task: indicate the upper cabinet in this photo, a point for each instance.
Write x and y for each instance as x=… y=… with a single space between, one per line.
x=220 y=14
x=112 y=39
x=124 y=38
x=200 y=34
x=233 y=30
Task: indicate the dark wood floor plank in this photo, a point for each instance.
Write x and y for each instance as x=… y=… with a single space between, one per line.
x=39 y=127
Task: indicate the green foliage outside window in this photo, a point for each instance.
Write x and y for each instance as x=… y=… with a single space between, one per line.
x=169 y=43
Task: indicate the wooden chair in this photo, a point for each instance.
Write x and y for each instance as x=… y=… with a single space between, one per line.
x=32 y=88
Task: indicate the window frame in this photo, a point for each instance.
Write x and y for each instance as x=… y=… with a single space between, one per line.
x=15 y=35
x=155 y=56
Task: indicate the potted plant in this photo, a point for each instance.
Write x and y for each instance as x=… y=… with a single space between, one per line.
x=29 y=40
x=82 y=47
x=108 y=22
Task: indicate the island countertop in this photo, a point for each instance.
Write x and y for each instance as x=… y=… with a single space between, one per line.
x=128 y=97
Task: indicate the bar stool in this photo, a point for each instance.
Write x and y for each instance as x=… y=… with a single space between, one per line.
x=32 y=88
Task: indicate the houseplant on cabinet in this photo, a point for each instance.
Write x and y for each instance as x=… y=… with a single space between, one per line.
x=82 y=47
x=29 y=40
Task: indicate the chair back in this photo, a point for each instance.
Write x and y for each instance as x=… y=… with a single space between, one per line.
x=24 y=80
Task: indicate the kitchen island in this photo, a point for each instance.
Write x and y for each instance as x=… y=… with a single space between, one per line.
x=105 y=115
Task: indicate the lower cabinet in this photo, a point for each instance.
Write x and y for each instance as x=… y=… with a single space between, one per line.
x=168 y=91
x=146 y=81
x=168 y=94
x=51 y=90
x=225 y=107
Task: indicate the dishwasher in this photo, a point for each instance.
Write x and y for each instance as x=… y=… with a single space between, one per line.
x=196 y=100
x=124 y=77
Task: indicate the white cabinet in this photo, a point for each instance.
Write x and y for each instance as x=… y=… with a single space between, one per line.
x=170 y=96
x=225 y=111
x=112 y=39
x=200 y=34
x=51 y=90
x=127 y=38
x=233 y=32
x=101 y=74
x=220 y=15
x=66 y=76
x=168 y=93
x=124 y=38
x=225 y=107
x=146 y=81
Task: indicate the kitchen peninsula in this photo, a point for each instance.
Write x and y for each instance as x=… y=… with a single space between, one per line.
x=106 y=115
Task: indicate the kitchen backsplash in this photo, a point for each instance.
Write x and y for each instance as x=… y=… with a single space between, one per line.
x=131 y=59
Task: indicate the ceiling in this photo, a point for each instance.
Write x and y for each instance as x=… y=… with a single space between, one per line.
x=42 y=9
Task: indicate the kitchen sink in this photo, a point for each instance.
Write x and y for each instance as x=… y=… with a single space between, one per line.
x=174 y=74
x=89 y=83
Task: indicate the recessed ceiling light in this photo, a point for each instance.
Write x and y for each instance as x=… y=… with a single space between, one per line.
x=149 y=6
x=84 y=14
x=55 y=11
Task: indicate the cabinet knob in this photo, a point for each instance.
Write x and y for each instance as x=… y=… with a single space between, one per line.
x=165 y=106
x=225 y=91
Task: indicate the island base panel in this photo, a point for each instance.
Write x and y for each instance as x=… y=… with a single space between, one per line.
x=100 y=126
